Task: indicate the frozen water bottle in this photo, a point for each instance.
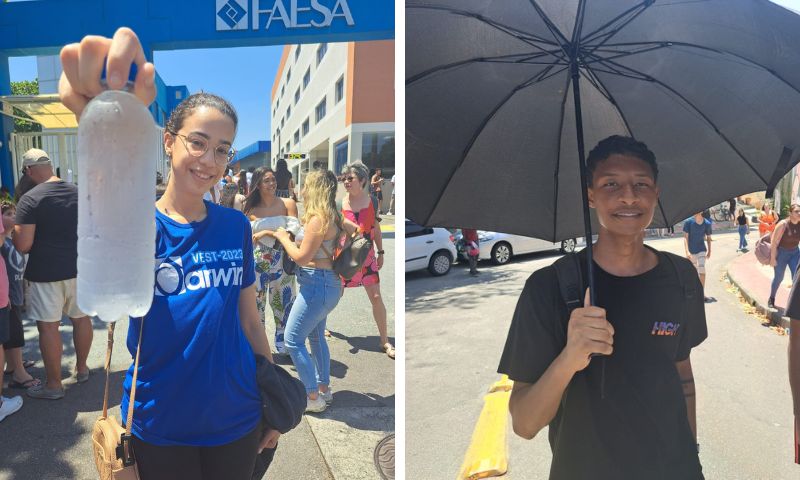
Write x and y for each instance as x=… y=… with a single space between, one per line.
x=116 y=190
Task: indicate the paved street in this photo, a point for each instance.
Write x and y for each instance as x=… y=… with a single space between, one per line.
x=455 y=330
x=50 y=439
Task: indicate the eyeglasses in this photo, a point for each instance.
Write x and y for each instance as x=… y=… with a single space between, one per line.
x=198 y=146
x=350 y=178
x=269 y=181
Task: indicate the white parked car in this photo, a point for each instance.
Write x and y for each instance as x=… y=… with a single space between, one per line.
x=500 y=247
x=429 y=247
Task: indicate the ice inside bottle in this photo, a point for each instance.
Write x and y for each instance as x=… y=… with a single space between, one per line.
x=117 y=148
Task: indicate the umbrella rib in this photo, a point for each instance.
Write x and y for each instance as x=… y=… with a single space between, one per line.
x=698 y=111
x=601 y=87
x=622 y=54
x=558 y=156
x=531 y=81
x=411 y=80
x=714 y=50
x=641 y=7
x=554 y=31
x=526 y=37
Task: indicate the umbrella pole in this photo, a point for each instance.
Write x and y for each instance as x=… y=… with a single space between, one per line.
x=587 y=222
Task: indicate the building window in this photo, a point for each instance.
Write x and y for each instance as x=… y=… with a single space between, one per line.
x=297 y=137
x=297 y=52
x=306 y=78
x=321 y=52
x=339 y=90
x=287 y=147
x=288 y=111
x=283 y=89
x=320 y=110
x=340 y=155
x=288 y=74
x=377 y=151
x=297 y=96
x=282 y=119
x=305 y=127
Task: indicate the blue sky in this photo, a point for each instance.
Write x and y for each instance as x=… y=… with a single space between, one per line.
x=242 y=75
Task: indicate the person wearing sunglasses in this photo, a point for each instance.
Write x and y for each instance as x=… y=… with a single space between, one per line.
x=359 y=208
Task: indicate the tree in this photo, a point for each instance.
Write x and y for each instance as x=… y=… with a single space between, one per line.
x=25 y=87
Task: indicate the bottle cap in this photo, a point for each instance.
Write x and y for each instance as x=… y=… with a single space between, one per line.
x=131 y=75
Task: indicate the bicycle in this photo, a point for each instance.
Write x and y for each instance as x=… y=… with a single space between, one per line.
x=720 y=213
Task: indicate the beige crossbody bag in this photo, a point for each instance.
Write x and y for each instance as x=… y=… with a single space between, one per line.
x=112 y=443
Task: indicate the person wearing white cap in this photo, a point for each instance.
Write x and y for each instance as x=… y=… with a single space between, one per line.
x=47 y=229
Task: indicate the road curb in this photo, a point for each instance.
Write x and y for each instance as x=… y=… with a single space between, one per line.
x=774 y=315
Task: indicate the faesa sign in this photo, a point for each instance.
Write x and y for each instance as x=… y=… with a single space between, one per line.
x=233 y=14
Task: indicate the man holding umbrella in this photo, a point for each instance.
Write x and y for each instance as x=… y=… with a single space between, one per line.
x=631 y=413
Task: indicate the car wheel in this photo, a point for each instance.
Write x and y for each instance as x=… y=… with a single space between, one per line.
x=440 y=263
x=501 y=253
x=568 y=245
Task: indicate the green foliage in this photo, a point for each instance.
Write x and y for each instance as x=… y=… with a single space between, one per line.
x=25 y=87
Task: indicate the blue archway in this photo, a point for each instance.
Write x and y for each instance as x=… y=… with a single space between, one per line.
x=42 y=27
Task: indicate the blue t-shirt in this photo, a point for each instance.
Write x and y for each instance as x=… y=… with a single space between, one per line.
x=197 y=378
x=697 y=234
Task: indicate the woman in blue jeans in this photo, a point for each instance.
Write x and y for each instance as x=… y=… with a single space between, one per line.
x=784 y=249
x=744 y=229
x=319 y=286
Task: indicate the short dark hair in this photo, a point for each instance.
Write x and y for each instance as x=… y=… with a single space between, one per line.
x=617 y=144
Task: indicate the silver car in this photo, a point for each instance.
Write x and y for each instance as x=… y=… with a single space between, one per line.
x=500 y=247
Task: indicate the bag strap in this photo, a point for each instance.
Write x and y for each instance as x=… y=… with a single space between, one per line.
x=327 y=252
x=570 y=280
x=109 y=349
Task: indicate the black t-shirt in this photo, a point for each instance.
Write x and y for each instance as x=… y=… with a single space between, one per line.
x=639 y=428
x=53 y=208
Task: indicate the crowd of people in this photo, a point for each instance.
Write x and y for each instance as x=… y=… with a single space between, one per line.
x=274 y=260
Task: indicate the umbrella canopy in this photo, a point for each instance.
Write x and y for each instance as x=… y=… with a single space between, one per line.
x=712 y=87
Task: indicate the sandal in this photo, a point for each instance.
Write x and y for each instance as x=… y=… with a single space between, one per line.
x=388 y=349
x=31 y=382
x=28 y=363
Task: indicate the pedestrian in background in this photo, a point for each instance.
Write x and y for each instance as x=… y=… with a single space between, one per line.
x=15 y=268
x=784 y=251
x=732 y=208
x=243 y=183
x=376 y=190
x=744 y=229
x=286 y=185
x=359 y=208
x=767 y=220
x=472 y=248
x=47 y=230
x=319 y=286
x=231 y=198
x=275 y=288
x=697 y=242
x=13 y=404
x=391 y=202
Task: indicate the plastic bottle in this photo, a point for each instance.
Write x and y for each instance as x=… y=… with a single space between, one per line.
x=116 y=191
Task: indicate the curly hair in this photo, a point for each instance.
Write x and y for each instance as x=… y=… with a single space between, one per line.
x=617 y=144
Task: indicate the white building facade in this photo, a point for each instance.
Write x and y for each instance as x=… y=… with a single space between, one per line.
x=334 y=103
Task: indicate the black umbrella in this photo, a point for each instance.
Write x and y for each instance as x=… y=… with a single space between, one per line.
x=502 y=95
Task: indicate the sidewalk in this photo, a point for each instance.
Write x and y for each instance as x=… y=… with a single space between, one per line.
x=753 y=281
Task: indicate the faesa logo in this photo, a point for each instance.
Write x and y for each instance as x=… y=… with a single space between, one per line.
x=172 y=279
x=232 y=14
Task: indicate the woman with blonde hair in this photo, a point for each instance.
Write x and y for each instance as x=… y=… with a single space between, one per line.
x=319 y=286
x=358 y=207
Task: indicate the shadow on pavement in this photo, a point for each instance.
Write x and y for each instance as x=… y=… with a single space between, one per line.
x=369 y=343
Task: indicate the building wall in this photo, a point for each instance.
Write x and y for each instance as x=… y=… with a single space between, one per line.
x=366 y=71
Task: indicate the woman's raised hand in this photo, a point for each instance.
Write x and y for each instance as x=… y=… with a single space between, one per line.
x=83 y=63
